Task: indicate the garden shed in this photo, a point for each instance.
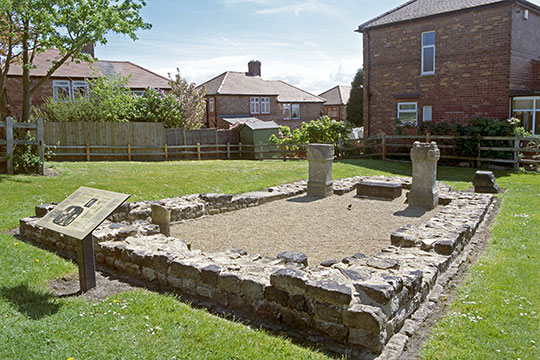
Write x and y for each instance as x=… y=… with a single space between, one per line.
x=254 y=131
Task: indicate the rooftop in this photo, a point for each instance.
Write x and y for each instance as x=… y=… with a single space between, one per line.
x=338 y=95
x=141 y=78
x=416 y=9
x=239 y=83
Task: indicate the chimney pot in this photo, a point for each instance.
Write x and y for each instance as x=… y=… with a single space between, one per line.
x=254 y=68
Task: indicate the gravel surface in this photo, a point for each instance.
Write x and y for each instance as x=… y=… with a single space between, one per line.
x=331 y=228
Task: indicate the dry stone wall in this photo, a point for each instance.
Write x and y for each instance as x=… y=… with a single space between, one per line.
x=352 y=307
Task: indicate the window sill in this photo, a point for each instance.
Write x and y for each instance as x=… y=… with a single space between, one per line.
x=428 y=74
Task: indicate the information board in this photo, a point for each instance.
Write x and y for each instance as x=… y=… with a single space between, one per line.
x=82 y=212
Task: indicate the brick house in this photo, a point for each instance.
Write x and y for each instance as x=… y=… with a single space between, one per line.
x=247 y=94
x=336 y=98
x=69 y=81
x=430 y=60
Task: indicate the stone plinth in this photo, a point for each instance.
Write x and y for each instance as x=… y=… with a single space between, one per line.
x=379 y=189
x=484 y=182
x=424 y=158
x=320 y=157
x=162 y=216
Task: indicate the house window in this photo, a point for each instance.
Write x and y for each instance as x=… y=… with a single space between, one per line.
x=428 y=53
x=333 y=112
x=291 y=111
x=61 y=90
x=80 y=90
x=427 y=113
x=407 y=113
x=211 y=105
x=265 y=105
x=255 y=105
x=137 y=92
x=527 y=110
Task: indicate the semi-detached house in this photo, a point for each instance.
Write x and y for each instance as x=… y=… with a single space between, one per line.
x=433 y=60
x=247 y=94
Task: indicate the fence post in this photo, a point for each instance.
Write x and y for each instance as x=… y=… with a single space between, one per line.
x=166 y=153
x=383 y=143
x=428 y=137
x=40 y=146
x=9 y=144
x=198 y=151
x=228 y=151
x=129 y=152
x=516 y=152
x=283 y=152
x=478 y=162
x=240 y=150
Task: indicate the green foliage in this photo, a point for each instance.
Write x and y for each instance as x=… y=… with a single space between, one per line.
x=355 y=106
x=322 y=131
x=109 y=99
x=65 y=25
x=191 y=98
x=474 y=129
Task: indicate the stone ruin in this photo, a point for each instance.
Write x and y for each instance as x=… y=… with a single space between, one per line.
x=358 y=307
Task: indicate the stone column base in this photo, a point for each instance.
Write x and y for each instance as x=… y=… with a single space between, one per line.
x=321 y=190
x=424 y=200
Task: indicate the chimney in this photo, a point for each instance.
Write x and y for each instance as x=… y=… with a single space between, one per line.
x=254 y=68
x=88 y=49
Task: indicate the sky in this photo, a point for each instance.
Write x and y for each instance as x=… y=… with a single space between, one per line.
x=310 y=44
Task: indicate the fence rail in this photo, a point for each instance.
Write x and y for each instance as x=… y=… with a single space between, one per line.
x=518 y=147
x=9 y=142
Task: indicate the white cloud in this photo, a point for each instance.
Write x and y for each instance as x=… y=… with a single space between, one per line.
x=273 y=7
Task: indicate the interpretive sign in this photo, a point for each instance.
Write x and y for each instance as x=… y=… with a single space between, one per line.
x=77 y=216
x=82 y=212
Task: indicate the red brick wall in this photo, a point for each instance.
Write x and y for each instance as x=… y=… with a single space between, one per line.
x=536 y=75
x=14 y=94
x=472 y=65
x=525 y=48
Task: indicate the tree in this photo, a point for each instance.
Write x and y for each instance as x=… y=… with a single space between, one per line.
x=191 y=99
x=355 y=106
x=67 y=25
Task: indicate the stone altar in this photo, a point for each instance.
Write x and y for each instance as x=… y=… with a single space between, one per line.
x=320 y=157
x=424 y=158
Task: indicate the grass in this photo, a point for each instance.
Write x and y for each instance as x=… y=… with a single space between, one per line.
x=144 y=325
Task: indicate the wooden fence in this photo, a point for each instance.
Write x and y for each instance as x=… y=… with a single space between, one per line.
x=511 y=150
x=8 y=141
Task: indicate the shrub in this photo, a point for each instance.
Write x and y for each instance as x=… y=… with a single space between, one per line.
x=324 y=130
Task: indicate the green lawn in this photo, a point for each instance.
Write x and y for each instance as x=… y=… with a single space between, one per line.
x=146 y=325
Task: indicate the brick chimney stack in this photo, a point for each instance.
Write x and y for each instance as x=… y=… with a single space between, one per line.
x=88 y=49
x=254 y=68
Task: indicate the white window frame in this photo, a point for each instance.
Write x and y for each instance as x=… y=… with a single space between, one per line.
x=77 y=84
x=211 y=105
x=426 y=47
x=535 y=109
x=415 y=111
x=138 y=92
x=292 y=111
x=254 y=105
x=290 y=106
x=265 y=105
x=61 y=84
x=429 y=110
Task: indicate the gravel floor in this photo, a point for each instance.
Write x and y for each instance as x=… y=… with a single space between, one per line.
x=331 y=228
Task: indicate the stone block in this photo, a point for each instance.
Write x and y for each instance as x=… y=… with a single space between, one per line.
x=294 y=257
x=230 y=282
x=379 y=291
x=333 y=331
x=379 y=189
x=43 y=209
x=423 y=192
x=273 y=294
x=161 y=216
x=382 y=263
x=252 y=289
x=209 y=274
x=295 y=319
x=368 y=318
x=370 y=341
x=485 y=182
x=290 y=280
x=328 y=312
x=330 y=291
x=182 y=270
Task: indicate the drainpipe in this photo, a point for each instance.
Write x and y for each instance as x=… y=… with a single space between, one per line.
x=367 y=70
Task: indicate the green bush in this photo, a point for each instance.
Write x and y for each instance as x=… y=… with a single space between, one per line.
x=109 y=99
x=323 y=131
x=474 y=129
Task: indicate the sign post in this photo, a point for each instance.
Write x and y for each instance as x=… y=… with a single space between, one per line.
x=78 y=216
